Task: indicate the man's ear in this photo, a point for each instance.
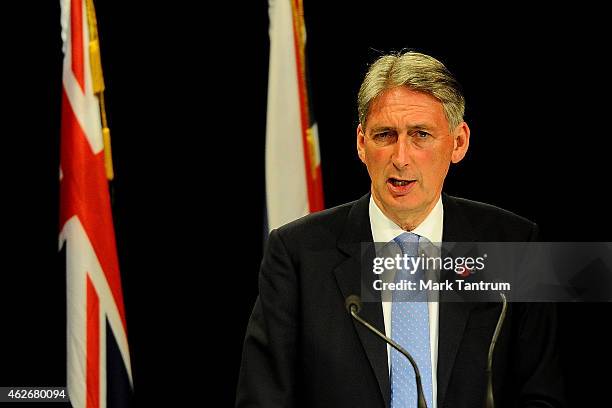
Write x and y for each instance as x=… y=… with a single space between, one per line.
x=361 y=143
x=461 y=142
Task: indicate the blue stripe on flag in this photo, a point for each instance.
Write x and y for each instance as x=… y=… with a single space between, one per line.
x=118 y=391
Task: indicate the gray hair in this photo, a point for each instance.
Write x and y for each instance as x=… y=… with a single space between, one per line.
x=418 y=72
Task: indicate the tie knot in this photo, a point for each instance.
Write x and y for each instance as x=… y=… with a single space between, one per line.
x=409 y=243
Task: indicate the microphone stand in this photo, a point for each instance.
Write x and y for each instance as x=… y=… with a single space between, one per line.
x=489 y=401
x=353 y=305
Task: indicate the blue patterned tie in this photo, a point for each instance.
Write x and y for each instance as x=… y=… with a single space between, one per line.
x=410 y=328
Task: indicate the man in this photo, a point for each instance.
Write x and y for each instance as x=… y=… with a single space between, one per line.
x=302 y=348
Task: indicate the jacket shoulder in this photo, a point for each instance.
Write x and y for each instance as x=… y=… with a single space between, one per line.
x=321 y=223
x=491 y=222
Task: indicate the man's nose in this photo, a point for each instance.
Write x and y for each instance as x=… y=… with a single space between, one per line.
x=401 y=152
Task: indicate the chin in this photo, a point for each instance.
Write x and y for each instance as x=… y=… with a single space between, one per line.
x=405 y=203
x=408 y=200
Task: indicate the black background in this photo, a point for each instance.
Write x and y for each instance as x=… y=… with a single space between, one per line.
x=186 y=101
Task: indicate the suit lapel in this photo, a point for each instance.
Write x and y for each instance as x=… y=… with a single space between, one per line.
x=453 y=316
x=356 y=242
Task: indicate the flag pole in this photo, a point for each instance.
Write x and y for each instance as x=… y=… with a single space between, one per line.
x=98 y=85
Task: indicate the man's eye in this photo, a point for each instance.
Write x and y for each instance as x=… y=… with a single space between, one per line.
x=421 y=134
x=383 y=135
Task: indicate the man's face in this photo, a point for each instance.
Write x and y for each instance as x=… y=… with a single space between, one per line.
x=407 y=147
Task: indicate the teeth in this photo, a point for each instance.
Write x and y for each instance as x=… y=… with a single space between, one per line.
x=399 y=182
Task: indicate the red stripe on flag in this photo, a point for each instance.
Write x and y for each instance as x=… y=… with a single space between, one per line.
x=317 y=199
x=76 y=40
x=84 y=192
x=313 y=182
x=93 y=347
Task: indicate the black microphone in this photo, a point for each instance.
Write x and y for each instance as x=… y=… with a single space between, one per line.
x=489 y=401
x=353 y=306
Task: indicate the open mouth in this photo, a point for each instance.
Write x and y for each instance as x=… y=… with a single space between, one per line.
x=400 y=186
x=400 y=182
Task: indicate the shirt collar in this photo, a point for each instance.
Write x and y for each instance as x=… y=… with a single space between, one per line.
x=385 y=230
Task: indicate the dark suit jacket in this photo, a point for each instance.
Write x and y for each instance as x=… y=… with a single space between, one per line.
x=302 y=348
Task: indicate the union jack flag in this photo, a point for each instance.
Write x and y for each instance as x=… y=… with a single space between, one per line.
x=99 y=372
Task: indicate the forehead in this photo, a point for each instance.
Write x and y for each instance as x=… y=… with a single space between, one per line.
x=404 y=106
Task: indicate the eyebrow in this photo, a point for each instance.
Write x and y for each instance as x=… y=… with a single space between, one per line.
x=418 y=126
x=378 y=129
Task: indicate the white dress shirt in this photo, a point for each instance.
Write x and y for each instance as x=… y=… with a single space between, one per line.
x=385 y=230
